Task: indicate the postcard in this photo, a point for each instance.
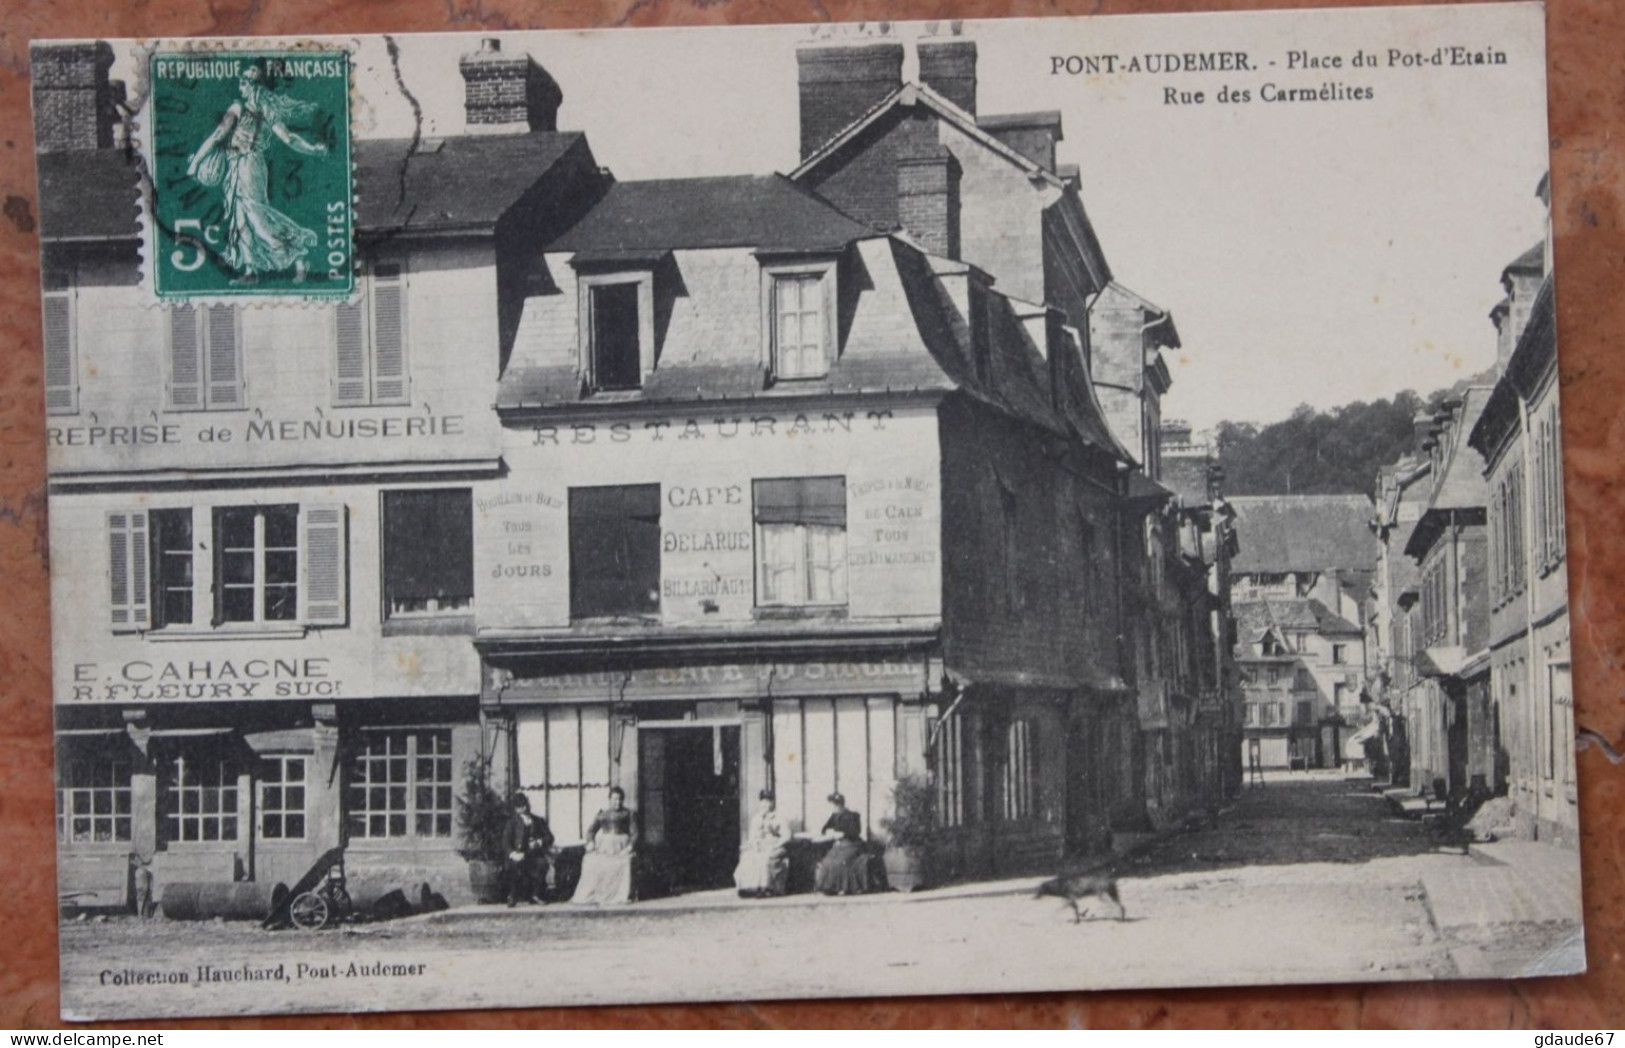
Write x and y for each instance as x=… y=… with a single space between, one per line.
x=559 y=518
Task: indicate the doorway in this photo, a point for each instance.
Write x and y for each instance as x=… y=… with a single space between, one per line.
x=688 y=782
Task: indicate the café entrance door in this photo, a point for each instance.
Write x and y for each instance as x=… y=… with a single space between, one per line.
x=688 y=785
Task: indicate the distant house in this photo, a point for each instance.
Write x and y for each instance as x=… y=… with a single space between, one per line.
x=1298 y=582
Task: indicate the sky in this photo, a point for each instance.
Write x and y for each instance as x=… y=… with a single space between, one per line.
x=1313 y=253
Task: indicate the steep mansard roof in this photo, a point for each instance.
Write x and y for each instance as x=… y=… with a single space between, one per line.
x=761 y=211
x=466 y=182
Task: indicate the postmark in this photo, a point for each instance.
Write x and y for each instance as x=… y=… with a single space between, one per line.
x=250 y=158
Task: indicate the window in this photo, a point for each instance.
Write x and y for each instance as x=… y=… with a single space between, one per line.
x=257 y=563
x=1340 y=654
x=1250 y=714
x=268 y=564
x=282 y=798
x=369 y=360
x=61 y=361
x=564 y=765
x=1020 y=772
x=615 y=345
x=400 y=785
x=800 y=349
x=1306 y=713
x=92 y=799
x=171 y=566
x=800 y=541
x=428 y=552
x=205 y=359
x=199 y=797
x=615 y=551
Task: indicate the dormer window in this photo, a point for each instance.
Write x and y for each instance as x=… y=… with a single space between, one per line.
x=617 y=329
x=799 y=319
x=615 y=362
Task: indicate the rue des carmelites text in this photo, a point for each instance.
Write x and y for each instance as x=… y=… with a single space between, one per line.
x=1295 y=62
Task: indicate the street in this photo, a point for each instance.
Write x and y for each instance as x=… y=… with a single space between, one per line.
x=1308 y=878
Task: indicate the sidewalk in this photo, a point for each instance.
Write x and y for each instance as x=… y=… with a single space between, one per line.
x=728 y=899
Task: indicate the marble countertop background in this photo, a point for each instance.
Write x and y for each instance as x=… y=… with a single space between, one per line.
x=1587 y=88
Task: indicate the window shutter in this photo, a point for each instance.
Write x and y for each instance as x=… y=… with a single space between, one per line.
x=61 y=376
x=350 y=356
x=128 y=570
x=225 y=360
x=185 y=360
x=388 y=335
x=323 y=563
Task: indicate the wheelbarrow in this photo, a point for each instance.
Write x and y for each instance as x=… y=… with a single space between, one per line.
x=317 y=900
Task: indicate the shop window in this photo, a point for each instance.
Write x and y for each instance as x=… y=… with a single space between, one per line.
x=947 y=768
x=800 y=541
x=615 y=551
x=61 y=354
x=282 y=798
x=92 y=799
x=198 y=797
x=564 y=765
x=205 y=358
x=369 y=339
x=270 y=565
x=428 y=552
x=400 y=785
x=1020 y=772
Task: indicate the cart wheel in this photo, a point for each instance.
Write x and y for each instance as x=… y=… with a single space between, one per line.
x=309 y=912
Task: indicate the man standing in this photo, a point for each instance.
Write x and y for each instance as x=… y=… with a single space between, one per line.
x=526 y=840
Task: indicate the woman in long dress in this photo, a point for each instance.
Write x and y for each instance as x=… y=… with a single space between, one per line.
x=763 y=864
x=844 y=870
x=606 y=868
x=259 y=238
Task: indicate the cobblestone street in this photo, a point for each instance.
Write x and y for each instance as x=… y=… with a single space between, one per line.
x=1306 y=879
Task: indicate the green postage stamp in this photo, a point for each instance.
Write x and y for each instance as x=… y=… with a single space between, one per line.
x=251 y=174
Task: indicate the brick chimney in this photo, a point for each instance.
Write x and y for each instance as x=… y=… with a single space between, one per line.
x=507 y=93
x=840 y=84
x=928 y=189
x=75 y=103
x=948 y=67
x=1033 y=135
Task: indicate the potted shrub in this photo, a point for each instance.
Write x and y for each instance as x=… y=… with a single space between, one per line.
x=909 y=833
x=482 y=818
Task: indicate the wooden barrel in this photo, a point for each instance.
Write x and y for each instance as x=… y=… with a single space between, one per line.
x=228 y=900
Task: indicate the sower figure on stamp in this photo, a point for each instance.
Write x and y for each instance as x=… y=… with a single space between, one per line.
x=526 y=840
x=259 y=238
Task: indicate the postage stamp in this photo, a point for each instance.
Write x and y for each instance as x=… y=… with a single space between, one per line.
x=251 y=174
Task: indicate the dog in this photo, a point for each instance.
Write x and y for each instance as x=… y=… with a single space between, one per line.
x=1101 y=884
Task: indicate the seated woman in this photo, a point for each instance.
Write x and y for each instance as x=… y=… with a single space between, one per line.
x=606 y=868
x=845 y=869
x=763 y=864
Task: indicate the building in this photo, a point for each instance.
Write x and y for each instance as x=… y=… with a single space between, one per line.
x=737 y=424
x=1191 y=470
x=1455 y=728
x=262 y=517
x=1298 y=581
x=1400 y=499
x=1519 y=435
